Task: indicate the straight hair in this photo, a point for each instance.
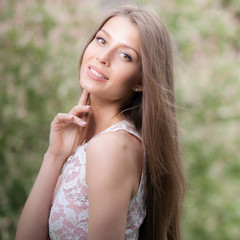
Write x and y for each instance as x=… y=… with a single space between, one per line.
x=153 y=112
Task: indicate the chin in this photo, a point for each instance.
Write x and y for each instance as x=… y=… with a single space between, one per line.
x=87 y=86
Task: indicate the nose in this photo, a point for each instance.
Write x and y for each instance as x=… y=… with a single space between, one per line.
x=104 y=58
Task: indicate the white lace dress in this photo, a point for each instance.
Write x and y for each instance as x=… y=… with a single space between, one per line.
x=69 y=212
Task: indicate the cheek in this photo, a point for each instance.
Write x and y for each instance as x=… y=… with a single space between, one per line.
x=83 y=68
x=90 y=51
x=87 y=55
x=128 y=77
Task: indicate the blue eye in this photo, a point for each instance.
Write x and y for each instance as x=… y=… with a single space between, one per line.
x=126 y=57
x=101 y=40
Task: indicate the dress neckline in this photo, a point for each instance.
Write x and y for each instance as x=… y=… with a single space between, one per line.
x=126 y=122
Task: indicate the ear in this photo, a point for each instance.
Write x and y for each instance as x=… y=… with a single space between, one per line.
x=137 y=88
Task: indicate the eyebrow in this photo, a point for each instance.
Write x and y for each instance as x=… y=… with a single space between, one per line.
x=103 y=30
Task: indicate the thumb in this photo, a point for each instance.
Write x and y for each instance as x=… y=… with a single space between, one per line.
x=84 y=98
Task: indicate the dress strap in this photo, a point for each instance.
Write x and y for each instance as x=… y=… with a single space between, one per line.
x=123 y=125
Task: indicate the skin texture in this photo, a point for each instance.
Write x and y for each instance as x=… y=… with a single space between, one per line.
x=114 y=160
x=109 y=198
x=110 y=52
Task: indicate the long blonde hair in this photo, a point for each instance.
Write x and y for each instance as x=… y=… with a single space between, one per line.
x=154 y=115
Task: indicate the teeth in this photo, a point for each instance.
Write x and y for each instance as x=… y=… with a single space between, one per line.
x=96 y=73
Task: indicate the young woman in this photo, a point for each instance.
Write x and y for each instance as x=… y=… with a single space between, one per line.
x=113 y=168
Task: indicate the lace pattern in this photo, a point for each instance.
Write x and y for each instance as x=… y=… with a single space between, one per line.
x=69 y=212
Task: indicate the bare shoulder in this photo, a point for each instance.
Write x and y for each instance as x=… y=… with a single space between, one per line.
x=120 y=145
x=118 y=155
x=112 y=176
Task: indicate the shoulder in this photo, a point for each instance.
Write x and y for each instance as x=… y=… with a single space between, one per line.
x=112 y=176
x=118 y=140
x=117 y=155
x=119 y=144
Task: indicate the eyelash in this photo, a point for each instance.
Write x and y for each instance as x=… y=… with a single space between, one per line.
x=99 y=38
x=125 y=56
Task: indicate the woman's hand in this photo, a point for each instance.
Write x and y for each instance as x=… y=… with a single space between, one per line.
x=66 y=129
x=64 y=136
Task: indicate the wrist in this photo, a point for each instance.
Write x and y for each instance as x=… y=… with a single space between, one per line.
x=53 y=159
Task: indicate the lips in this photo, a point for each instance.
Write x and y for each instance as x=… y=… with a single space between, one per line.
x=96 y=73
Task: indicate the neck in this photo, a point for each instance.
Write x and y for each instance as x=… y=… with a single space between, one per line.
x=104 y=114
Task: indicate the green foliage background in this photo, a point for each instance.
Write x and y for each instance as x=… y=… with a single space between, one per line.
x=40 y=44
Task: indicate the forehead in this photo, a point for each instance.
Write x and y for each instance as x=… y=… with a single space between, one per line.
x=121 y=29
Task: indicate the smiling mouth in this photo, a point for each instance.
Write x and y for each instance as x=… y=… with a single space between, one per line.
x=97 y=74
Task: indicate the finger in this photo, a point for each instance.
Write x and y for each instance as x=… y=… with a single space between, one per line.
x=84 y=98
x=68 y=118
x=75 y=120
x=80 y=109
x=62 y=116
x=78 y=121
x=84 y=131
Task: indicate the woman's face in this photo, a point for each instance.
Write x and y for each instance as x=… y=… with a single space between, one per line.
x=111 y=66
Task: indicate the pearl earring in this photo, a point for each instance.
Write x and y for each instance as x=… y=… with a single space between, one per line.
x=136 y=89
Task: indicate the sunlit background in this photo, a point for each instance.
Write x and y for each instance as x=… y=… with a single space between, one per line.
x=40 y=44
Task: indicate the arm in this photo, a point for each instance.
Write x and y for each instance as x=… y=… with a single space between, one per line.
x=34 y=218
x=112 y=175
x=59 y=181
x=65 y=131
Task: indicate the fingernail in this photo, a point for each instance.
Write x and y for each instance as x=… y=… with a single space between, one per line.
x=86 y=106
x=70 y=116
x=83 y=122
